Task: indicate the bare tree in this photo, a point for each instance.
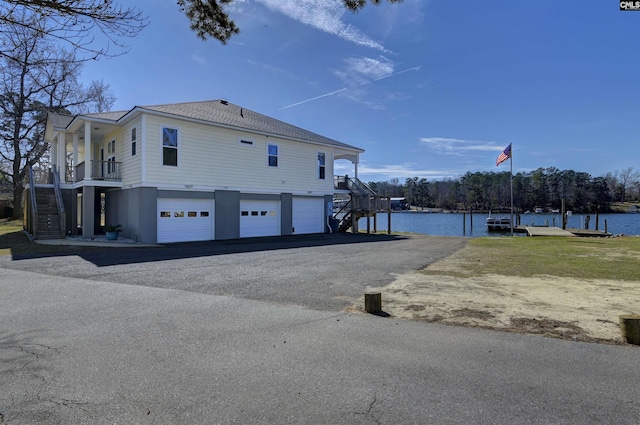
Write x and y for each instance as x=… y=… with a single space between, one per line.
x=91 y=28
x=627 y=179
x=38 y=77
x=97 y=28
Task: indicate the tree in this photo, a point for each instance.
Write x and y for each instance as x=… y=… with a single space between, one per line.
x=37 y=78
x=628 y=178
x=76 y=23
x=79 y=22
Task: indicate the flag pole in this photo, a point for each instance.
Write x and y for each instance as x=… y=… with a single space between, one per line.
x=511 y=184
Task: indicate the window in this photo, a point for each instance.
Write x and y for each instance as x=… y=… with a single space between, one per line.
x=111 y=149
x=204 y=213
x=321 y=165
x=170 y=146
x=272 y=155
x=133 y=141
x=192 y=214
x=178 y=214
x=165 y=214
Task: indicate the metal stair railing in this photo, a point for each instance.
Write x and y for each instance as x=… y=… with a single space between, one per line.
x=33 y=226
x=61 y=211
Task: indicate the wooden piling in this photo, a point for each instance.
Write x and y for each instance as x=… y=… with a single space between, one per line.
x=464 y=223
x=630 y=327
x=373 y=302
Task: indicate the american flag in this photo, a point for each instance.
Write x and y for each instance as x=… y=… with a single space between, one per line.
x=506 y=154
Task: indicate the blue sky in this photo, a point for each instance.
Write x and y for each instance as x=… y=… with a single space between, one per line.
x=430 y=89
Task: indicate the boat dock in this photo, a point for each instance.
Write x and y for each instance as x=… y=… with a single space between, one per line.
x=556 y=231
x=545 y=231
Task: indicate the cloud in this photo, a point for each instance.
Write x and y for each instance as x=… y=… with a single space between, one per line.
x=324 y=15
x=198 y=59
x=368 y=172
x=357 y=75
x=459 y=147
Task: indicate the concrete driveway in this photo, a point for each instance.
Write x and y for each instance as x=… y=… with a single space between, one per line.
x=324 y=272
x=74 y=351
x=143 y=336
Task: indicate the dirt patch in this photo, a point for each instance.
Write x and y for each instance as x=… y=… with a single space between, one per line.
x=575 y=309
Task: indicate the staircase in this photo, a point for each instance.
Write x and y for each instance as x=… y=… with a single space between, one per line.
x=48 y=220
x=364 y=202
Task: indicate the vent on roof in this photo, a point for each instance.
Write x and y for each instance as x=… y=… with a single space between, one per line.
x=224 y=102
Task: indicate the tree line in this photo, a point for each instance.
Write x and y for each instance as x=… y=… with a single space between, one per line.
x=544 y=188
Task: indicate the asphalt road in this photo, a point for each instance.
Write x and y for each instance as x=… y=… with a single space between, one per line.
x=324 y=272
x=95 y=351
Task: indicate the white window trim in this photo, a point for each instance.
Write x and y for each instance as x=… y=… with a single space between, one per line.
x=277 y=156
x=178 y=130
x=131 y=132
x=318 y=165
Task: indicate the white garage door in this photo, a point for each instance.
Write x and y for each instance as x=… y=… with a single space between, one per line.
x=308 y=215
x=259 y=218
x=184 y=220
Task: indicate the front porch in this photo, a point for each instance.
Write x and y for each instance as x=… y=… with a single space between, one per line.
x=100 y=170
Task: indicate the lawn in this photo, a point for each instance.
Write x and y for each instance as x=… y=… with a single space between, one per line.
x=581 y=258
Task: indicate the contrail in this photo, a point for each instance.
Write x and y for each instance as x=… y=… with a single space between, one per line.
x=313 y=98
x=415 y=68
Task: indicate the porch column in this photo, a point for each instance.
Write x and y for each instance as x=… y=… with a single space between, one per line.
x=54 y=153
x=87 y=157
x=356 y=168
x=88 y=211
x=75 y=157
x=62 y=155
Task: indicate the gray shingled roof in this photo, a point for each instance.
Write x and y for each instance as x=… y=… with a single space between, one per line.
x=228 y=114
x=218 y=112
x=60 y=120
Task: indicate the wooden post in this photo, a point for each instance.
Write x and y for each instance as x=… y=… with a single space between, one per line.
x=373 y=302
x=389 y=223
x=464 y=223
x=630 y=327
x=597 y=220
x=606 y=228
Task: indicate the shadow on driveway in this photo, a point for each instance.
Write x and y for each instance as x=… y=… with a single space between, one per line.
x=111 y=256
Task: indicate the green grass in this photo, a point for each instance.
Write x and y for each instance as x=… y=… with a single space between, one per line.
x=586 y=258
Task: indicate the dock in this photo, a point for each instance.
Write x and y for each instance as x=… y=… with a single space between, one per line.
x=546 y=231
x=556 y=231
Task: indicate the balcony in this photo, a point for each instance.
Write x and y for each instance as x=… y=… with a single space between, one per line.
x=100 y=170
x=106 y=170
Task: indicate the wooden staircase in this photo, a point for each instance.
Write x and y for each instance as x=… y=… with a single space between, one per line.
x=363 y=202
x=48 y=220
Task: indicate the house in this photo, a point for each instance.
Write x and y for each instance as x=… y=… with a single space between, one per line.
x=191 y=171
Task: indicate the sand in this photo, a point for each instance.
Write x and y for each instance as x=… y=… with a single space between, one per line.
x=576 y=309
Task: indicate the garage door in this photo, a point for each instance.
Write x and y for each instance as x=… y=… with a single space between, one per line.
x=184 y=220
x=308 y=215
x=259 y=218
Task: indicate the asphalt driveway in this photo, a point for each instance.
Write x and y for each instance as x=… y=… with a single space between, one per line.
x=323 y=272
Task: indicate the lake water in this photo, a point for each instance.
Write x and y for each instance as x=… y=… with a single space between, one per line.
x=451 y=224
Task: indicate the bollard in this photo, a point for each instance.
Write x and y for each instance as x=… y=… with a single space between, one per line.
x=373 y=302
x=630 y=327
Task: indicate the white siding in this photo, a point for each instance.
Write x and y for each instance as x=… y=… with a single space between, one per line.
x=213 y=156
